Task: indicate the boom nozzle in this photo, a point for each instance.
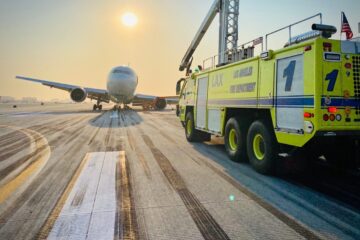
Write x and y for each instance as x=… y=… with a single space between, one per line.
x=326 y=30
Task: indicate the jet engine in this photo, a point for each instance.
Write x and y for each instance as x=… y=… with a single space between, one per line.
x=78 y=95
x=159 y=103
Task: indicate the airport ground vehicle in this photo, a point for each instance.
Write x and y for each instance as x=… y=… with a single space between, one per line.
x=305 y=96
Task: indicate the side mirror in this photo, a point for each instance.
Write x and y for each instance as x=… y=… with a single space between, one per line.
x=179 y=85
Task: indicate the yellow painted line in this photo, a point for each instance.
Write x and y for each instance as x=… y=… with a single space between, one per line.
x=48 y=225
x=9 y=188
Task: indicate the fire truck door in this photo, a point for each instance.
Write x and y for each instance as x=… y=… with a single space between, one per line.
x=290 y=94
x=201 y=103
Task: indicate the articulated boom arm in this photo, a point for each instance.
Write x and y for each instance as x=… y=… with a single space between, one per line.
x=228 y=32
x=200 y=34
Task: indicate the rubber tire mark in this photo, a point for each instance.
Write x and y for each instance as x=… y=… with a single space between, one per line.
x=11 y=149
x=126 y=226
x=293 y=224
x=204 y=221
x=139 y=154
x=107 y=137
x=290 y=222
x=42 y=154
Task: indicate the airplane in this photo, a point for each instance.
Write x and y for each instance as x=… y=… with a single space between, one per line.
x=121 y=85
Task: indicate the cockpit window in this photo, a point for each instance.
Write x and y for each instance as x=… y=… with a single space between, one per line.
x=121 y=71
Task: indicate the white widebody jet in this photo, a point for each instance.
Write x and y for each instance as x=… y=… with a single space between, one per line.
x=120 y=89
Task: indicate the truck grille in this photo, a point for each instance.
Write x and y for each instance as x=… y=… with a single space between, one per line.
x=356 y=68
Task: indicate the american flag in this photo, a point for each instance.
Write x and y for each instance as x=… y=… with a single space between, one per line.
x=345 y=27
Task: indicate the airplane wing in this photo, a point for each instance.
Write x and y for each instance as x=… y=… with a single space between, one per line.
x=156 y=102
x=150 y=98
x=92 y=93
x=171 y=99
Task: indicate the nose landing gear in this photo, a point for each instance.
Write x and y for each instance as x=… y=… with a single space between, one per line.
x=118 y=107
x=97 y=106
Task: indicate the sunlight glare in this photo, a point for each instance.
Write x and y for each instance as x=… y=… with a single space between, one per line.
x=129 y=19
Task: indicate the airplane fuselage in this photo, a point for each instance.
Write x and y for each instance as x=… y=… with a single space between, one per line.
x=121 y=84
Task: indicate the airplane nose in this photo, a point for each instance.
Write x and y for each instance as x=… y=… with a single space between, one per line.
x=125 y=83
x=122 y=86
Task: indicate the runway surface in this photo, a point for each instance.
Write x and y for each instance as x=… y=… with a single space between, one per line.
x=69 y=173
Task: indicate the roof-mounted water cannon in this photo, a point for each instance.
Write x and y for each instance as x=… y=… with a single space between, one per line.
x=326 y=30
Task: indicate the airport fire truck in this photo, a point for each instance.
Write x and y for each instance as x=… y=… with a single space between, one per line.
x=304 y=96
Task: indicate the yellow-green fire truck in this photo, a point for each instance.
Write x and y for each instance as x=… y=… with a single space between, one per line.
x=303 y=96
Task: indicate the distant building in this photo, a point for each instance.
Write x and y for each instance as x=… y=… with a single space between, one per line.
x=29 y=100
x=6 y=99
x=57 y=100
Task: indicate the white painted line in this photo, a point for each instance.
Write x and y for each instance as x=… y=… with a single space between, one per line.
x=89 y=212
x=26 y=114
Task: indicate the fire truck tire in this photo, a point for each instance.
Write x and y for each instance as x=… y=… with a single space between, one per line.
x=262 y=148
x=192 y=134
x=235 y=140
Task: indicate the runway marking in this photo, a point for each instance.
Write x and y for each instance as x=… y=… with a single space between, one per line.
x=25 y=114
x=204 y=221
x=97 y=203
x=46 y=228
x=24 y=177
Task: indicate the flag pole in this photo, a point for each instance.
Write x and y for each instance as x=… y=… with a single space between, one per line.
x=341 y=23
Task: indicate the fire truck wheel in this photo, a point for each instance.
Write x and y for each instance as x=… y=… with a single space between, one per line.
x=192 y=134
x=235 y=141
x=262 y=148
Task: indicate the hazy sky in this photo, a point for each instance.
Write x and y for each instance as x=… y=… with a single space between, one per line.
x=79 y=41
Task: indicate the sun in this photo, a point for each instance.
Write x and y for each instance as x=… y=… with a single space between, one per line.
x=129 y=19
